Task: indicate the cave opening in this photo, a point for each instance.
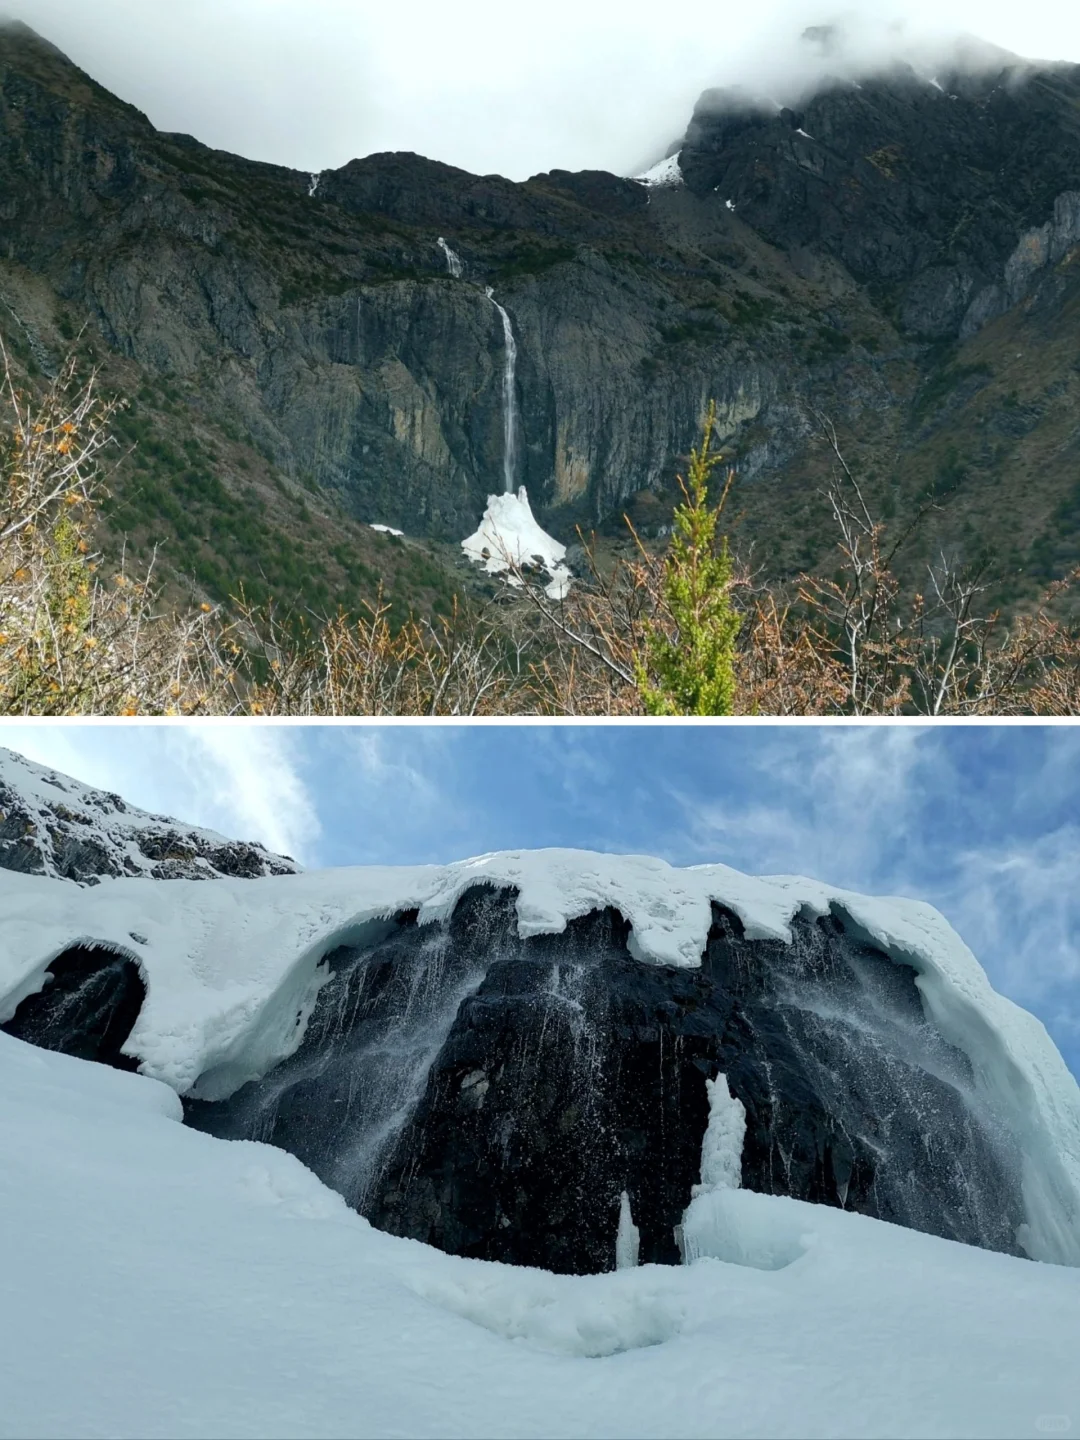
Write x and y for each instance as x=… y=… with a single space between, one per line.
x=87 y=1008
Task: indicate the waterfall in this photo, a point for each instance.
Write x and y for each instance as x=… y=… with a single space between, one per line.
x=343 y=1099
x=509 y=398
x=313 y=188
x=454 y=262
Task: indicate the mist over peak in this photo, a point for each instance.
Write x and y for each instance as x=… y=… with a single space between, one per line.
x=849 y=50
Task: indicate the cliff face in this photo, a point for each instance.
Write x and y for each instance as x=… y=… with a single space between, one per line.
x=881 y=256
x=497 y=1097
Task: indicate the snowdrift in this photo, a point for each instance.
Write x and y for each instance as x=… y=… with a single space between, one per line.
x=232 y=971
x=509 y=538
x=160 y=1283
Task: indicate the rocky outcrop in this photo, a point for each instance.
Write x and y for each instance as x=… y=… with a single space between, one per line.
x=496 y=1097
x=55 y=826
x=923 y=184
x=529 y=1099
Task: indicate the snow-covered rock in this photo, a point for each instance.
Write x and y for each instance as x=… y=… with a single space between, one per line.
x=53 y=825
x=233 y=972
x=663 y=173
x=509 y=539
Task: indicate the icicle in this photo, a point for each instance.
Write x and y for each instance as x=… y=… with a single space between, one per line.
x=722 y=1143
x=454 y=262
x=628 y=1239
x=509 y=398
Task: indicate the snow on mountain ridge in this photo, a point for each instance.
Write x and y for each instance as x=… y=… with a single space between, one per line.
x=56 y=826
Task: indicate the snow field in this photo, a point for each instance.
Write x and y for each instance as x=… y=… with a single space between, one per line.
x=157 y=1282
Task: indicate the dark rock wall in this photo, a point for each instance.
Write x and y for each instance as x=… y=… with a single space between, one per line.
x=494 y=1096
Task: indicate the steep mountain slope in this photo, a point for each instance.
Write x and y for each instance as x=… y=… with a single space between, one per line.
x=899 y=255
x=55 y=826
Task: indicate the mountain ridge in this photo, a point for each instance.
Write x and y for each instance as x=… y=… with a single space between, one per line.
x=323 y=332
x=55 y=826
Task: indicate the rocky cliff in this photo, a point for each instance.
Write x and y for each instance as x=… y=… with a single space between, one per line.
x=898 y=253
x=55 y=826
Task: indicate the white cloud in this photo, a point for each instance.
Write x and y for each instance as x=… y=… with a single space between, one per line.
x=243 y=781
x=480 y=84
x=841 y=805
x=1018 y=907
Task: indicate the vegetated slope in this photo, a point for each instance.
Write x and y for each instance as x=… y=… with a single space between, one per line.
x=900 y=256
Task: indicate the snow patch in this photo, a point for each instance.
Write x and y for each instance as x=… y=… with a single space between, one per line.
x=665 y=172
x=589 y=1317
x=388 y=530
x=762 y=1232
x=509 y=538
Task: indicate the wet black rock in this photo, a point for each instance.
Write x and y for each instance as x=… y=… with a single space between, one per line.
x=88 y=1007
x=495 y=1096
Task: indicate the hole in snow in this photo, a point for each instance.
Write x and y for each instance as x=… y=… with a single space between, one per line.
x=87 y=1008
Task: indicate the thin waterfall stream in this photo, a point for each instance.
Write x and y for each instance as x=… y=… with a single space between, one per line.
x=510 y=417
x=454 y=263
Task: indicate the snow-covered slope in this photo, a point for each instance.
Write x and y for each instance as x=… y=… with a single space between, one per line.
x=663 y=173
x=53 y=825
x=156 y=1282
x=233 y=970
x=510 y=539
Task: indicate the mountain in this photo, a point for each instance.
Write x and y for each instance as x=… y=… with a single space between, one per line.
x=568 y=1060
x=54 y=826
x=898 y=254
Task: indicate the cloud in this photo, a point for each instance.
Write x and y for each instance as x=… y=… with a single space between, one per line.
x=483 y=85
x=838 y=804
x=242 y=781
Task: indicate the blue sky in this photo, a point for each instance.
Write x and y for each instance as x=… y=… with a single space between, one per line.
x=982 y=821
